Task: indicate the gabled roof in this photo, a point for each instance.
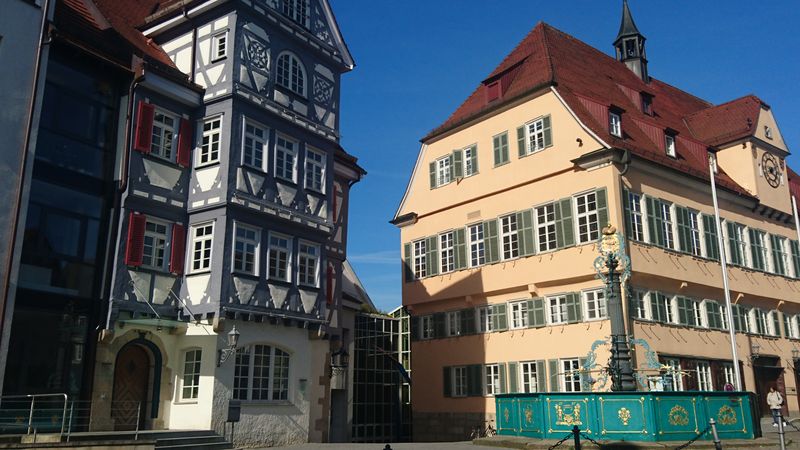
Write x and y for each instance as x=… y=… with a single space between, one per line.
x=727 y=122
x=586 y=77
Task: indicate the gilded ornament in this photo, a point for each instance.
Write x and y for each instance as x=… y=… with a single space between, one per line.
x=726 y=416
x=624 y=415
x=678 y=416
x=568 y=414
x=506 y=414
x=528 y=414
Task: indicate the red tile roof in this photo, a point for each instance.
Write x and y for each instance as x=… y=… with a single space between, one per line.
x=585 y=76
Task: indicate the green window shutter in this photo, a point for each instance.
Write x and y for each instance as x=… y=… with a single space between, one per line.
x=657 y=307
x=503 y=384
x=504 y=148
x=409 y=271
x=683 y=310
x=548 y=132
x=475 y=380
x=712 y=312
x=414 y=327
x=460 y=247
x=684 y=227
x=468 y=321
x=525 y=235
x=536 y=313
x=439 y=330
x=776 y=324
x=786 y=325
x=565 y=229
x=735 y=251
x=626 y=205
x=552 y=365
x=795 y=258
x=432 y=167
x=602 y=208
x=777 y=261
x=654 y=221
x=447 y=381
x=474 y=159
x=513 y=374
x=499 y=318
x=521 y=149
x=710 y=230
x=457 y=164
x=497 y=150
x=541 y=377
x=586 y=385
x=491 y=243
x=432 y=255
x=755 y=250
x=574 y=313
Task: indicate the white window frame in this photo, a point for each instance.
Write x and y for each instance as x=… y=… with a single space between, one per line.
x=519 y=314
x=615 y=124
x=167 y=135
x=477 y=245
x=484 y=317
x=315 y=167
x=219 y=46
x=210 y=142
x=534 y=136
x=595 y=305
x=443 y=171
x=637 y=216
x=546 y=234
x=295 y=78
x=556 y=309
x=427 y=329
x=160 y=241
x=669 y=145
x=305 y=259
x=420 y=258
x=642 y=298
x=677 y=377
x=529 y=381
x=459 y=381
x=763 y=248
x=278 y=248
x=284 y=382
x=668 y=223
x=297 y=10
x=509 y=240
x=705 y=381
x=469 y=169
x=203 y=244
x=191 y=374
x=695 y=234
x=794 y=327
x=246 y=242
x=491 y=379
x=447 y=250
x=785 y=254
x=257 y=147
x=453 y=323
x=588 y=215
x=568 y=367
x=287 y=154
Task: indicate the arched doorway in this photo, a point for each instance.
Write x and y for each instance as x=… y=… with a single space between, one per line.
x=132 y=383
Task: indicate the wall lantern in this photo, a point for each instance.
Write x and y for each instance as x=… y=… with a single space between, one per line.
x=340 y=359
x=233 y=342
x=795 y=354
x=755 y=351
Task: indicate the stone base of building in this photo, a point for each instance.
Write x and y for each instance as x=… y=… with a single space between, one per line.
x=446 y=426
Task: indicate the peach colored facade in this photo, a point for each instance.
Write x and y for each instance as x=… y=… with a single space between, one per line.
x=579 y=161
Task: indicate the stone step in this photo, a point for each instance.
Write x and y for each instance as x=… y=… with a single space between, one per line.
x=199 y=441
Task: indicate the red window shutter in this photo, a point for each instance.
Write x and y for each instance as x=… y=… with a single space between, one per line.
x=134 y=248
x=144 y=127
x=178 y=253
x=185 y=143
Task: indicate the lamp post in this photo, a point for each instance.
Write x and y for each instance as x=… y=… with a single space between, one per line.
x=233 y=343
x=611 y=257
x=340 y=360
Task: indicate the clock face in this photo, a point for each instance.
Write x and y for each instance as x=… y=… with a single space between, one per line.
x=771 y=169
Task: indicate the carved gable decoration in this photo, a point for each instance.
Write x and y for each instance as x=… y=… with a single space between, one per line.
x=255 y=58
x=319 y=26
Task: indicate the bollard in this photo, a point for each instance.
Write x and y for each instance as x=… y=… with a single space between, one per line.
x=781 y=432
x=577 y=433
x=717 y=443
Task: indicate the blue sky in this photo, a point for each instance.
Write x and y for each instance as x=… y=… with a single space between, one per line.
x=418 y=60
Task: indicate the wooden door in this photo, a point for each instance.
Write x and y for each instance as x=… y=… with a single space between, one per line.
x=131 y=375
x=769 y=377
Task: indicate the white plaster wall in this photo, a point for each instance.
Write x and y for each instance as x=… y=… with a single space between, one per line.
x=180 y=52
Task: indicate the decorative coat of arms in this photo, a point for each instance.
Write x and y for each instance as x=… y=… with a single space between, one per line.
x=568 y=414
x=678 y=416
x=726 y=416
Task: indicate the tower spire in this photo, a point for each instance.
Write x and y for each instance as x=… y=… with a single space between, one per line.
x=629 y=44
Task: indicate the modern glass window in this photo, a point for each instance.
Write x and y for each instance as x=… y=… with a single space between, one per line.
x=485 y=316
x=190 y=381
x=420 y=259
x=279 y=257
x=477 y=253
x=615 y=124
x=426 y=325
x=459 y=381
x=570 y=375
x=508 y=236
x=528 y=377
x=443 y=171
x=315 y=170
x=219 y=45
x=670 y=145
x=155 y=242
x=261 y=373
x=245 y=249
x=286 y=158
x=297 y=10
x=447 y=252
x=546 y=227
x=308 y=264
x=470 y=155
x=453 y=323
x=704 y=379
x=557 y=309
x=536 y=135
x=164 y=135
x=492 y=378
x=210 y=143
x=637 y=217
x=587 y=219
x=594 y=305
x=519 y=314
x=254 y=145
x=291 y=74
x=202 y=242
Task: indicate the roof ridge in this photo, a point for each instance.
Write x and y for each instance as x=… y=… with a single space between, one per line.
x=546 y=45
x=729 y=102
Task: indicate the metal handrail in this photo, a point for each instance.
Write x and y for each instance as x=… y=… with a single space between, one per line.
x=33 y=398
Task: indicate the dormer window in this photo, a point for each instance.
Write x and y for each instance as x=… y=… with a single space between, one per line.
x=296 y=10
x=768 y=131
x=670 y=145
x=647 y=104
x=615 y=123
x=493 y=91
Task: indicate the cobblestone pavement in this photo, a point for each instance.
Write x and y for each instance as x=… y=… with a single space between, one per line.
x=399 y=446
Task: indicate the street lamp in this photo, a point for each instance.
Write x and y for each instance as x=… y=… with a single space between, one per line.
x=755 y=351
x=233 y=342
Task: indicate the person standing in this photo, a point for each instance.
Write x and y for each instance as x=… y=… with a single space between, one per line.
x=775 y=400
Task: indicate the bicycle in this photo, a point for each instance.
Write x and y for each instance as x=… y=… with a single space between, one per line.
x=478 y=431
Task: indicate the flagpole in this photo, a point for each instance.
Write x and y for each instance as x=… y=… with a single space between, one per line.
x=722 y=259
